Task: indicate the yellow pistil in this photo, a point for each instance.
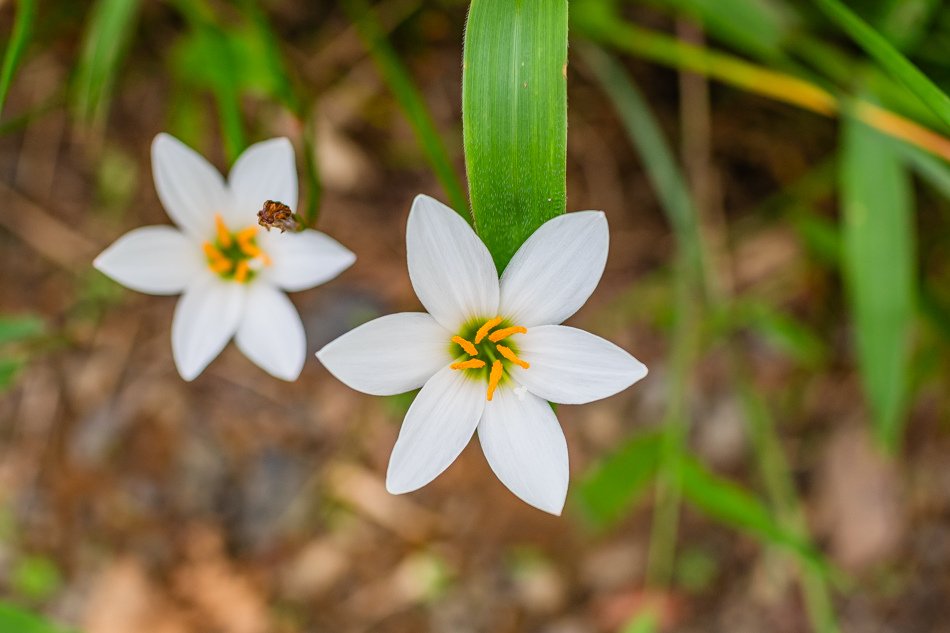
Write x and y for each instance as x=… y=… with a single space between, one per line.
x=472 y=363
x=470 y=349
x=510 y=355
x=494 y=378
x=498 y=335
x=486 y=328
x=242 y=271
x=224 y=235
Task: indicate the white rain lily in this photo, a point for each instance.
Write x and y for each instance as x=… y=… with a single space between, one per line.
x=231 y=273
x=490 y=353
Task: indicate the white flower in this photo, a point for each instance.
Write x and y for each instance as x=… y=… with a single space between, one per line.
x=230 y=271
x=490 y=353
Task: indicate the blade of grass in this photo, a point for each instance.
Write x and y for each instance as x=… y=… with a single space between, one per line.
x=397 y=77
x=878 y=267
x=514 y=118
x=877 y=46
x=19 y=38
x=108 y=33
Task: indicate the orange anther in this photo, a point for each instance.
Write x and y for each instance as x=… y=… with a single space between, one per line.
x=211 y=251
x=470 y=349
x=498 y=335
x=242 y=271
x=510 y=355
x=221 y=266
x=494 y=378
x=485 y=329
x=224 y=235
x=472 y=363
x=246 y=234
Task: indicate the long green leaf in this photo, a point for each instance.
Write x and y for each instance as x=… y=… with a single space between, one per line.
x=616 y=483
x=108 y=33
x=399 y=80
x=19 y=37
x=514 y=116
x=878 y=266
x=877 y=46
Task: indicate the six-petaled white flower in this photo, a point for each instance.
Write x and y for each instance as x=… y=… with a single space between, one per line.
x=232 y=273
x=490 y=353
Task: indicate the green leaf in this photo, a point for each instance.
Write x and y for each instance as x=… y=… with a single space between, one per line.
x=514 y=118
x=877 y=46
x=19 y=37
x=9 y=368
x=783 y=331
x=16 y=620
x=878 y=266
x=108 y=33
x=18 y=328
x=399 y=80
x=616 y=483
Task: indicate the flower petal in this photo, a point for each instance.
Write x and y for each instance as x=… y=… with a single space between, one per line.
x=190 y=188
x=303 y=260
x=554 y=273
x=205 y=319
x=389 y=355
x=437 y=427
x=271 y=333
x=451 y=270
x=158 y=260
x=265 y=171
x=524 y=445
x=571 y=366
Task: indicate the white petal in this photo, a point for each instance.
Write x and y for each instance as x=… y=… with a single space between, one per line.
x=571 y=366
x=450 y=268
x=205 y=319
x=524 y=445
x=437 y=427
x=556 y=270
x=389 y=355
x=303 y=260
x=158 y=260
x=271 y=333
x=265 y=171
x=190 y=188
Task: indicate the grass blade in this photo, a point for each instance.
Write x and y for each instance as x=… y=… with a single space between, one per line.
x=399 y=80
x=878 y=267
x=514 y=118
x=877 y=46
x=19 y=37
x=108 y=33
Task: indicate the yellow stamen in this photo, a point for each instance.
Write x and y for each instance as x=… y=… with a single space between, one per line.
x=510 y=355
x=242 y=272
x=485 y=329
x=470 y=349
x=211 y=251
x=472 y=363
x=505 y=333
x=221 y=266
x=246 y=234
x=224 y=235
x=494 y=378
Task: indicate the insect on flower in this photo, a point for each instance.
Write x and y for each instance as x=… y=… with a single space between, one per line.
x=232 y=274
x=277 y=215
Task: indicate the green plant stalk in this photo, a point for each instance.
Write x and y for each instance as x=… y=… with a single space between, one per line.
x=514 y=118
x=19 y=38
x=400 y=82
x=877 y=46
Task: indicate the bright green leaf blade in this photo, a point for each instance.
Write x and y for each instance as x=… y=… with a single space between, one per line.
x=615 y=484
x=108 y=33
x=19 y=38
x=16 y=620
x=399 y=80
x=514 y=117
x=18 y=328
x=877 y=46
x=878 y=266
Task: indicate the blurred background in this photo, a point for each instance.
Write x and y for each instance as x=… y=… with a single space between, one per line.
x=778 y=205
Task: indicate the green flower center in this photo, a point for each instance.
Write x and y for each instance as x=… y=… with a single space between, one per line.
x=485 y=351
x=235 y=256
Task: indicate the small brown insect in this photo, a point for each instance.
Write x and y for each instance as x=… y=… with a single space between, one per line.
x=277 y=215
